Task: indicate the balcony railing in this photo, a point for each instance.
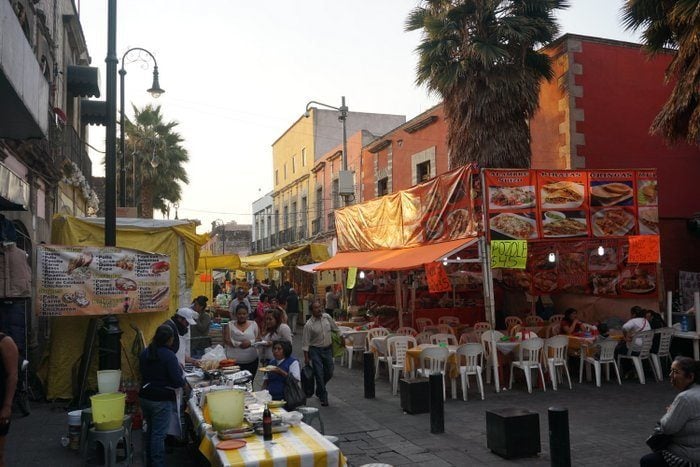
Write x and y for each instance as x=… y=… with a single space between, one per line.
x=74 y=151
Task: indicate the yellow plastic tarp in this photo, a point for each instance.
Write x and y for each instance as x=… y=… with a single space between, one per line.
x=309 y=253
x=207 y=263
x=68 y=333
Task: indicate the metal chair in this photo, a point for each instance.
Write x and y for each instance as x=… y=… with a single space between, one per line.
x=664 y=351
x=555 y=353
x=605 y=356
x=443 y=338
x=641 y=346
x=450 y=320
x=529 y=359
x=423 y=322
x=473 y=366
x=397 y=347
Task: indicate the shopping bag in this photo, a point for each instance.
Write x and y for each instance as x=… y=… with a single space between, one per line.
x=338 y=344
x=293 y=393
x=307 y=380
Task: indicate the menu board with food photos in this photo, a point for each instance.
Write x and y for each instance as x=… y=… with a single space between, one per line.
x=561 y=204
x=77 y=281
x=586 y=266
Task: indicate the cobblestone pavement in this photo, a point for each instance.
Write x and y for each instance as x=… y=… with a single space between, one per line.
x=608 y=425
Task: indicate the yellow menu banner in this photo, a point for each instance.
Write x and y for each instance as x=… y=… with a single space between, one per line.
x=510 y=254
x=78 y=281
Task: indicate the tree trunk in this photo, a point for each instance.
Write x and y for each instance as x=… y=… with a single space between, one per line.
x=146 y=200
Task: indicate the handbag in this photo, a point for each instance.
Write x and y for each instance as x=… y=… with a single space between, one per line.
x=307 y=380
x=658 y=440
x=293 y=394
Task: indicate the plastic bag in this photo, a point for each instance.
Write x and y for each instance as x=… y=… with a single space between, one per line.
x=216 y=354
x=307 y=380
x=338 y=343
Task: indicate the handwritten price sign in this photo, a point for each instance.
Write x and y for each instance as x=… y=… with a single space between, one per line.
x=510 y=254
x=437 y=278
x=644 y=249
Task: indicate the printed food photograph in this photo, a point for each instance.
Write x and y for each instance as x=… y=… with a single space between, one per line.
x=514 y=226
x=612 y=222
x=562 y=195
x=125 y=284
x=638 y=281
x=458 y=223
x=517 y=279
x=434 y=227
x=647 y=192
x=564 y=224
x=649 y=221
x=571 y=263
x=604 y=262
x=159 y=267
x=511 y=197
x=546 y=281
x=611 y=193
x=604 y=283
x=82 y=260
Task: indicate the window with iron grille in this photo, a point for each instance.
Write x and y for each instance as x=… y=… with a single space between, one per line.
x=383 y=186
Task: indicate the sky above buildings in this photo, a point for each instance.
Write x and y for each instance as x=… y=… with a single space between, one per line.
x=238 y=74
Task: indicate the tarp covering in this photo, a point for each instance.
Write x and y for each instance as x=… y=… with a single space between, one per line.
x=396 y=259
x=68 y=334
x=207 y=263
x=436 y=211
x=312 y=252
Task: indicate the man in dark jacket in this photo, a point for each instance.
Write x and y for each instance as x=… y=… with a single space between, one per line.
x=292 y=309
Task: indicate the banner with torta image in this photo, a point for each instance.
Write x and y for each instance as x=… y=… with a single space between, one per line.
x=78 y=281
x=563 y=203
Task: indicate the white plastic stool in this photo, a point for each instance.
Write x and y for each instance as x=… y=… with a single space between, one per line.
x=332 y=439
x=310 y=414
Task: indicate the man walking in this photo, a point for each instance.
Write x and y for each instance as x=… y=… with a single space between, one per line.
x=316 y=343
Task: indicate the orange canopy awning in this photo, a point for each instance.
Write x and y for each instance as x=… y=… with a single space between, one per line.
x=397 y=259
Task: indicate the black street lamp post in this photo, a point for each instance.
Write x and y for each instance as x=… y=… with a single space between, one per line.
x=155 y=91
x=111 y=128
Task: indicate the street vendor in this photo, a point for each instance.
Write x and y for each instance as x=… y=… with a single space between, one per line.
x=180 y=324
x=200 y=339
x=284 y=364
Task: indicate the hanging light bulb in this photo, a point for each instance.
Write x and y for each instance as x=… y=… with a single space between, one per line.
x=601 y=250
x=444 y=261
x=362 y=274
x=551 y=257
x=459 y=259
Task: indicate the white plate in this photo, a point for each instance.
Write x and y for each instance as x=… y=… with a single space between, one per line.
x=581 y=234
x=527 y=219
x=572 y=204
x=495 y=189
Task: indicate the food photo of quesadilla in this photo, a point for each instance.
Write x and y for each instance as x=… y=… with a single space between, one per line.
x=649 y=221
x=562 y=194
x=608 y=194
x=613 y=222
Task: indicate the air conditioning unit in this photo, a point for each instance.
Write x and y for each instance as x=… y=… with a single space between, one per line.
x=346 y=186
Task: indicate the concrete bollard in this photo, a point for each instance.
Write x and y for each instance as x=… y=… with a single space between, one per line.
x=437 y=404
x=368 y=361
x=559 y=446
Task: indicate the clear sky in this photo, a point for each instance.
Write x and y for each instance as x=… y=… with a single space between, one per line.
x=237 y=74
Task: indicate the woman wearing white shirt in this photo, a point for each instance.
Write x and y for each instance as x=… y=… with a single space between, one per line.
x=239 y=337
x=275 y=329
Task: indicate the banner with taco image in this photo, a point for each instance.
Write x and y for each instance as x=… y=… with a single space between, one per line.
x=77 y=281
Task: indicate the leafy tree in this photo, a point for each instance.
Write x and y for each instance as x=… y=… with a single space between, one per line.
x=676 y=24
x=158 y=155
x=480 y=57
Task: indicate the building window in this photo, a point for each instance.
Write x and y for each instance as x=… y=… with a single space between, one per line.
x=319 y=203
x=304 y=215
x=383 y=186
x=284 y=173
x=286 y=217
x=294 y=214
x=277 y=177
x=294 y=164
x=335 y=194
x=423 y=172
x=303 y=157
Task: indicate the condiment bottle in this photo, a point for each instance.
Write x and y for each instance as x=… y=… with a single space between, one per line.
x=267 y=424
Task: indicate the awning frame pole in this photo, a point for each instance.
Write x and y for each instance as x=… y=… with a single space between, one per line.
x=485 y=254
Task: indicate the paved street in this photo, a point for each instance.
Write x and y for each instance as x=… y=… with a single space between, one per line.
x=607 y=425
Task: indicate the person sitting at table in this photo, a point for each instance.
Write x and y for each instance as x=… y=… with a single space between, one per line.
x=275 y=330
x=570 y=323
x=284 y=364
x=239 y=337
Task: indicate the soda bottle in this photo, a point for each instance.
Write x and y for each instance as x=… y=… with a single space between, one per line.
x=267 y=424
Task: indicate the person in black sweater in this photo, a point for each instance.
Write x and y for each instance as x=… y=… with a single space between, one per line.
x=160 y=374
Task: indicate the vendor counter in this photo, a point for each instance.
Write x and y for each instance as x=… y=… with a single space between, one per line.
x=300 y=445
x=466 y=315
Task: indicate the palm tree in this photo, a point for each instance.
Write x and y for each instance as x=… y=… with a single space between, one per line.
x=158 y=156
x=479 y=56
x=676 y=24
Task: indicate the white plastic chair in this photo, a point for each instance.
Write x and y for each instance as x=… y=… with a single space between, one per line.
x=445 y=328
x=434 y=360
x=555 y=319
x=356 y=344
x=512 y=321
x=605 y=356
x=664 y=350
x=344 y=330
x=406 y=331
x=448 y=339
x=472 y=354
x=488 y=351
x=534 y=320
x=431 y=328
x=555 y=352
x=449 y=320
x=423 y=337
x=480 y=327
x=423 y=322
x=529 y=359
x=642 y=349
x=553 y=330
x=379 y=358
x=397 y=347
